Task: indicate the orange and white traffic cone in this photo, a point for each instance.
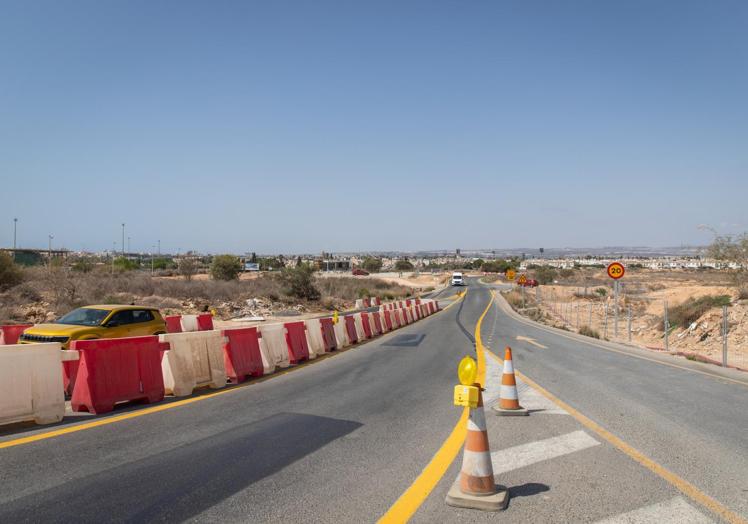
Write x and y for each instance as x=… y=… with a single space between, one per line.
x=475 y=488
x=508 y=398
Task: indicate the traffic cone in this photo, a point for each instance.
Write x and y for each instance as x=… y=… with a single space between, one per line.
x=508 y=398
x=475 y=488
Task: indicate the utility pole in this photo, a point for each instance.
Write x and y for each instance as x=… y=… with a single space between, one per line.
x=123 y=239
x=629 y=324
x=15 y=227
x=159 y=248
x=114 y=252
x=725 y=326
x=128 y=245
x=667 y=328
x=152 y=249
x=49 y=252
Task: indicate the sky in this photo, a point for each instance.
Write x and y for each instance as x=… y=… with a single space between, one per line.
x=365 y=126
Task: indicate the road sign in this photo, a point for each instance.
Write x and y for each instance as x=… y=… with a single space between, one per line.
x=510 y=274
x=522 y=279
x=616 y=270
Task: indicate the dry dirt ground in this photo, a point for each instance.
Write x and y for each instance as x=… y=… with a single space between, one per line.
x=643 y=294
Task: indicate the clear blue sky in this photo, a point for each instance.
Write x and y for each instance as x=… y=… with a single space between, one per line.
x=297 y=127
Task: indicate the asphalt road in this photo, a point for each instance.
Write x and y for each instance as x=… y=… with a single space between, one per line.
x=341 y=439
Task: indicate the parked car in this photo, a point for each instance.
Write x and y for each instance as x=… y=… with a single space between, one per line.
x=530 y=282
x=92 y=322
x=360 y=272
x=457 y=279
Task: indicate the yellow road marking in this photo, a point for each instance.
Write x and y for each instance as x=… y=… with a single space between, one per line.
x=531 y=341
x=680 y=483
x=419 y=490
x=171 y=405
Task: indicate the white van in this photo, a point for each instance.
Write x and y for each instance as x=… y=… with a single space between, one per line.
x=457 y=279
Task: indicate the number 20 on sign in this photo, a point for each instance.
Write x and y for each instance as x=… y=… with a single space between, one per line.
x=616 y=270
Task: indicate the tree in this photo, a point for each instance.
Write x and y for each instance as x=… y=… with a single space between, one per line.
x=188 y=268
x=545 y=275
x=372 y=264
x=403 y=265
x=253 y=258
x=298 y=261
x=125 y=264
x=225 y=267
x=478 y=263
x=83 y=265
x=10 y=273
x=298 y=282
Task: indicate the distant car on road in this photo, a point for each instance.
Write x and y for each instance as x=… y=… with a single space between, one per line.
x=457 y=279
x=92 y=322
x=360 y=272
x=530 y=282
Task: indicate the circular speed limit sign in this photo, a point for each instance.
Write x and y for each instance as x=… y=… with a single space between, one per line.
x=616 y=270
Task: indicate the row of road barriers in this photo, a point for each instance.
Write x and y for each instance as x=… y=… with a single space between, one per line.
x=98 y=374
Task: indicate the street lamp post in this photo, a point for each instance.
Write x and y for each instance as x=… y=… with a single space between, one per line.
x=49 y=251
x=15 y=227
x=123 y=239
x=114 y=252
x=152 y=249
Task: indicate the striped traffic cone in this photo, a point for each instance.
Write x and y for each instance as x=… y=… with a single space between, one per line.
x=508 y=398
x=475 y=488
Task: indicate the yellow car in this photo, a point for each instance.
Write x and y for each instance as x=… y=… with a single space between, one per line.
x=91 y=322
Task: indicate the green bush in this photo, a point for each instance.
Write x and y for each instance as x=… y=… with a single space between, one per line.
x=225 y=267
x=371 y=264
x=403 y=265
x=363 y=293
x=83 y=265
x=691 y=310
x=125 y=264
x=164 y=263
x=298 y=282
x=10 y=274
x=601 y=291
x=545 y=275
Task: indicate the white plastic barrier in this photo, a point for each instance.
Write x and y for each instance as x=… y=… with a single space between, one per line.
x=274 y=340
x=268 y=364
x=359 y=323
x=372 y=325
x=359 y=303
x=189 y=323
x=314 y=337
x=31 y=382
x=341 y=335
x=194 y=360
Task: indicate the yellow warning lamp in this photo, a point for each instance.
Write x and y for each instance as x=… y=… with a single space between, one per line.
x=213 y=312
x=466 y=394
x=335 y=317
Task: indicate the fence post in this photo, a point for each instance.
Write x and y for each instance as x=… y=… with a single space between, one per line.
x=605 y=328
x=590 y=317
x=724 y=336
x=667 y=328
x=629 y=324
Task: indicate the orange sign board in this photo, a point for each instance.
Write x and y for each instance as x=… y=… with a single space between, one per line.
x=616 y=270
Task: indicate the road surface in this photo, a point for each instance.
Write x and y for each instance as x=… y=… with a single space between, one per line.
x=342 y=439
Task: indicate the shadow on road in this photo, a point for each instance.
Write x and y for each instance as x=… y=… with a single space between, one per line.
x=528 y=490
x=180 y=483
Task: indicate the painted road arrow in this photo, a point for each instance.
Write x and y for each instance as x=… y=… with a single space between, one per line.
x=531 y=341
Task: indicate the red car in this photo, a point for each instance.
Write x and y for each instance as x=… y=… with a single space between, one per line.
x=530 y=282
x=360 y=272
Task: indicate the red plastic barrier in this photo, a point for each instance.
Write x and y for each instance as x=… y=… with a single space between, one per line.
x=69 y=374
x=367 y=302
x=418 y=302
x=397 y=320
x=377 y=323
x=408 y=302
x=205 y=322
x=241 y=354
x=387 y=320
x=416 y=312
x=116 y=370
x=9 y=334
x=436 y=305
x=298 y=347
x=378 y=301
x=350 y=327
x=366 y=325
x=432 y=308
x=173 y=324
x=328 y=334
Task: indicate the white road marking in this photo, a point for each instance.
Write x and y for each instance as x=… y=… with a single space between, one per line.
x=531 y=341
x=526 y=454
x=675 y=510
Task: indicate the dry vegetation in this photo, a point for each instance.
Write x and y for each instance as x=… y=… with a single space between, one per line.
x=44 y=294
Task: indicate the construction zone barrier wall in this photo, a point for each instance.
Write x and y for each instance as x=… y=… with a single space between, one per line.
x=350 y=329
x=328 y=334
x=193 y=360
x=242 y=356
x=341 y=334
x=117 y=370
x=375 y=323
x=274 y=343
x=298 y=345
x=321 y=335
x=387 y=320
x=31 y=383
x=365 y=324
x=189 y=323
x=359 y=323
x=9 y=334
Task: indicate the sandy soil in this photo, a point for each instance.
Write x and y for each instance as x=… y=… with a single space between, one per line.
x=565 y=305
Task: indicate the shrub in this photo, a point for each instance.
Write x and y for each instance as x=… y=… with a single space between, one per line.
x=298 y=282
x=743 y=293
x=225 y=267
x=125 y=264
x=83 y=265
x=601 y=291
x=691 y=310
x=545 y=275
x=588 y=332
x=403 y=265
x=371 y=264
x=10 y=273
x=163 y=263
x=188 y=268
x=363 y=293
